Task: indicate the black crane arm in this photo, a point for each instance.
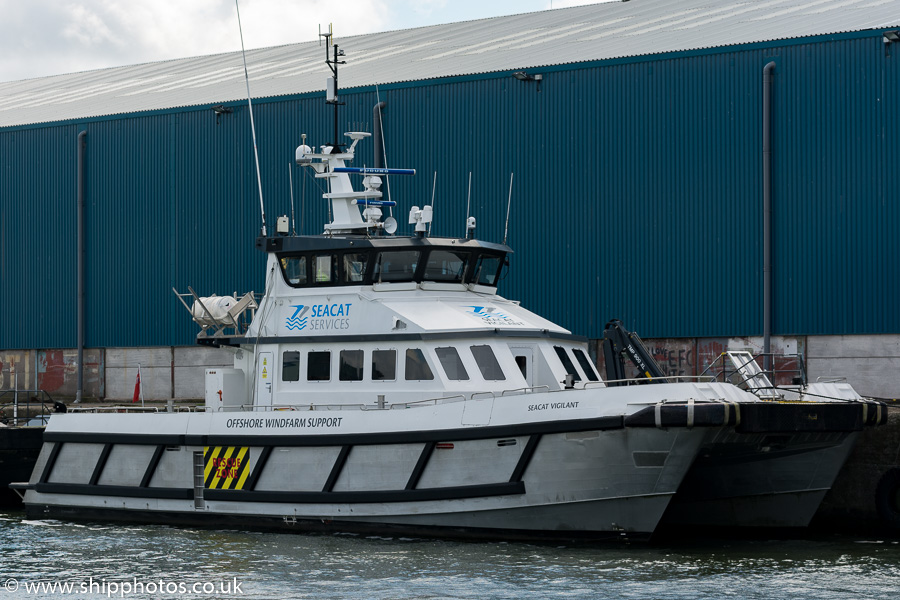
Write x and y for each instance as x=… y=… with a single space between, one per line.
x=618 y=343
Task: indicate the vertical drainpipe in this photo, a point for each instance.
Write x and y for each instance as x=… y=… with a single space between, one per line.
x=376 y=136
x=767 y=213
x=80 y=262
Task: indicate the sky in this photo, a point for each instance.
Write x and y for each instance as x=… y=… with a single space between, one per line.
x=49 y=37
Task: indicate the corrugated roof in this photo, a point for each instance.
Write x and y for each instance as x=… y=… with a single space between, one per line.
x=553 y=37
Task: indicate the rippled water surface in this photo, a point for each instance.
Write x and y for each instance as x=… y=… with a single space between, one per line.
x=100 y=561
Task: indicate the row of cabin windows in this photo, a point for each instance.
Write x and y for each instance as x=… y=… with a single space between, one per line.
x=384 y=365
x=390 y=266
x=582 y=359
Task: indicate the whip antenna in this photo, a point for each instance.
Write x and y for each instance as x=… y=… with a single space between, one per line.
x=433 y=188
x=468 y=203
x=387 y=180
x=508 y=204
x=291 y=180
x=262 y=209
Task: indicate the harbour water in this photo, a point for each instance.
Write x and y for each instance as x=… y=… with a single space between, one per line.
x=62 y=560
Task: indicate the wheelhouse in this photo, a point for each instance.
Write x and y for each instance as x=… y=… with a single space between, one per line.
x=313 y=262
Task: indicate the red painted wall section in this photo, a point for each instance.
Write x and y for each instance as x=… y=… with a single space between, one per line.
x=57 y=373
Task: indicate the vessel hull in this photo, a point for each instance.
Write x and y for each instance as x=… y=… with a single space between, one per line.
x=543 y=480
x=759 y=480
x=19 y=450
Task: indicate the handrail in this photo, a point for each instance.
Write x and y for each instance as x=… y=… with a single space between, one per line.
x=643 y=380
x=30 y=407
x=726 y=373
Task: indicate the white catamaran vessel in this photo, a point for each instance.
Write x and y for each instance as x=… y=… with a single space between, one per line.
x=383 y=385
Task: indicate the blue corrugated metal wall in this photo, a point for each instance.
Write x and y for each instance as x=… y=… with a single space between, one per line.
x=637 y=195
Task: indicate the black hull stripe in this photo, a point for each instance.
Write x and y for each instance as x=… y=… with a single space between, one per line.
x=354 y=439
x=445 y=493
x=124 y=491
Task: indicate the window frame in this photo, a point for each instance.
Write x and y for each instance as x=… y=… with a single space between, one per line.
x=458 y=366
x=342 y=363
x=493 y=357
x=563 y=355
x=427 y=370
x=392 y=351
x=296 y=366
x=584 y=361
x=309 y=366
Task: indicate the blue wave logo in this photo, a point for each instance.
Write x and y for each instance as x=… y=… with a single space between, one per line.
x=297 y=321
x=488 y=312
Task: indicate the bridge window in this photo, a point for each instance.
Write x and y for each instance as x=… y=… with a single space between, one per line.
x=355 y=267
x=586 y=365
x=318 y=366
x=487 y=270
x=325 y=267
x=384 y=365
x=452 y=364
x=487 y=363
x=351 y=367
x=417 y=368
x=294 y=270
x=395 y=266
x=446 y=265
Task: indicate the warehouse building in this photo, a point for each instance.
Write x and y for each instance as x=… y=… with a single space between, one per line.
x=633 y=133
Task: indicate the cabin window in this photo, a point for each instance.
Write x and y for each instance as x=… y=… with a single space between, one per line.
x=384 y=365
x=445 y=265
x=351 y=368
x=355 y=267
x=417 y=368
x=294 y=270
x=487 y=363
x=452 y=364
x=318 y=366
x=487 y=270
x=290 y=366
x=567 y=362
x=395 y=266
x=325 y=266
x=522 y=363
x=586 y=365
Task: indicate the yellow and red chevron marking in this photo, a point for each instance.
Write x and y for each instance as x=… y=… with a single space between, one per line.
x=226 y=467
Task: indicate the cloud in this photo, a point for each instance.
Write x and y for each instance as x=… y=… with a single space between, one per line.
x=44 y=37
x=47 y=37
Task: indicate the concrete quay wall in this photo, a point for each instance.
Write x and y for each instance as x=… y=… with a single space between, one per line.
x=870 y=363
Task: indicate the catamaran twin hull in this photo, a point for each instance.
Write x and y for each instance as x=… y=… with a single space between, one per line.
x=381 y=470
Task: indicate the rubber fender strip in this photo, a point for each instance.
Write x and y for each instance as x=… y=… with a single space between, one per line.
x=690 y=413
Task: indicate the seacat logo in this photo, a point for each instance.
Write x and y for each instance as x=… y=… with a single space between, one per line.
x=493 y=316
x=297 y=321
x=317 y=317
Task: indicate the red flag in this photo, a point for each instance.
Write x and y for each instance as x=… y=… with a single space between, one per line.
x=137 y=387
